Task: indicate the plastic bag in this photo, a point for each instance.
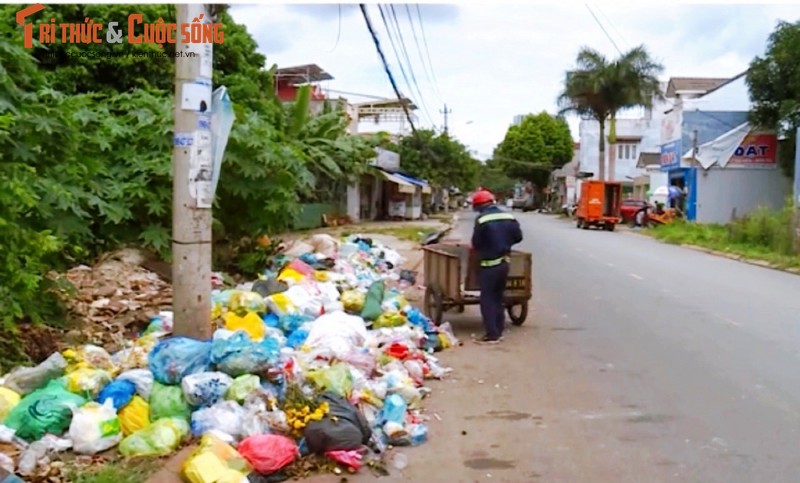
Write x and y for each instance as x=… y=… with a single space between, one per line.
x=134 y=416
x=280 y=304
x=95 y=428
x=24 y=380
x=225 y=417
x=268 y=287
x=222 y=117
x=389 y=319
x=242 y=302
x=268 y=453
x=372 y=304
x=336 y=379
x=242 y=386
x=353 y=301
x=215 y=461
x=343 y=428
x=205 y=388
x=39 y=450
x=120 y=393
x=338 y=332
x=168 y=402
x=177 y=357
x=46 y=410
x=89 y=357
x=350 y=459
x=290 y=276
x=297 y=338
x=250 y=323
x=290 y=322
x=238 y=354
x=8 y=400
x=158 y=439
x=88 y=381
x=142 y=378
x=324 y=244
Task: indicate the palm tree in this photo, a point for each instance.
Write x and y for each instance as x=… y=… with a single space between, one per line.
x=599 y=88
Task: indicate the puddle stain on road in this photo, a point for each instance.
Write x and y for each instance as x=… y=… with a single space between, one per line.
x=651 y=418
x=489 y=464
x=507 y=415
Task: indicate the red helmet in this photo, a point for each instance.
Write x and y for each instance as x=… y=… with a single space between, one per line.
x=482 y=197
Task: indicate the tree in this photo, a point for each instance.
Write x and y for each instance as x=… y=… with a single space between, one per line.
x=532 y=149
x=774 y=83
x=440 y=159
x=599 y=89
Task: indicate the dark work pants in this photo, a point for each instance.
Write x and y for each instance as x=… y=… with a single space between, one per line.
x=492 y=282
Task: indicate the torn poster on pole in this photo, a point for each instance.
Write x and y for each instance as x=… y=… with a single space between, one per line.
x=222 y=118
x=201 y=167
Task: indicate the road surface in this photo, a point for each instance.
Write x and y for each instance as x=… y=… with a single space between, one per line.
x=640 y=361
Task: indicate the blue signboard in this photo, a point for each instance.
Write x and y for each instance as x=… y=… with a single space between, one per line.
x=671 y=155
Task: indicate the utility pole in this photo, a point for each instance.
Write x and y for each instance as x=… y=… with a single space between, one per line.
x=192 y=193
x=445 y=112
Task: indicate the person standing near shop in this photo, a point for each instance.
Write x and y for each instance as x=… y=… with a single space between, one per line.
x=495 y=232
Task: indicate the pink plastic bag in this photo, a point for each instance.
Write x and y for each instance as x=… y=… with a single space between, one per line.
x=268 y=453
x=351 y=458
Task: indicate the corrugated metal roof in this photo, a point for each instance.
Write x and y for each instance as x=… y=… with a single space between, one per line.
x=698 y=84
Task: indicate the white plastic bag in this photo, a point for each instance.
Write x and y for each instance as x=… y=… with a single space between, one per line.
x=324 y=244
x=95 y=428
x=205 y=388
x=338 y=332
x=226 y=417
x=142 y=379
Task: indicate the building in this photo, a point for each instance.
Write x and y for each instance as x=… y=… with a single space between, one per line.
x=565 y=180
x=708 y=148
x=518 y=119
x=635 y=135
x=289 y=79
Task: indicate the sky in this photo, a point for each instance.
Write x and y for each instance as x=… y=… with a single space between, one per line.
x=490 y=62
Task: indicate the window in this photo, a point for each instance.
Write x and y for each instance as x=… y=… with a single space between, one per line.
x=626 y=151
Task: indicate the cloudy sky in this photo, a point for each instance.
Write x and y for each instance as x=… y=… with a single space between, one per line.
x=490 y=62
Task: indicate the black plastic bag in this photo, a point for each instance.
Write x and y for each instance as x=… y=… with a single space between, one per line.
x=343 y=428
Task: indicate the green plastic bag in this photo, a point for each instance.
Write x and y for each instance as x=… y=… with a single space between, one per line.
x=168 y=402
x=336 y=378
x=242 y=387
x=159 y=439
x=45 y=410
x=372 y=305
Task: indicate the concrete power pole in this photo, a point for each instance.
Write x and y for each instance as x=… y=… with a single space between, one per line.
x=445 y=112
x=192 y=195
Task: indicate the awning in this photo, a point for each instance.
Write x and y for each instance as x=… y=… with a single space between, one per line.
x=426 y=188
x=403 y=186
x=720 y=150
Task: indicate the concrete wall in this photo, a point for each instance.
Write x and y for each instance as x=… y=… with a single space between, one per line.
x=720 y=190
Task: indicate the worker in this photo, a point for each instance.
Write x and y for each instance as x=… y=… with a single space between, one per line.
x=495 y=232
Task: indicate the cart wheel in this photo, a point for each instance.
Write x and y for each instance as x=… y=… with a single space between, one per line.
x=518 y=313
x=459 y=309
x=579 y=223
x=610 y=226
x=434 y=304
x=585 y=225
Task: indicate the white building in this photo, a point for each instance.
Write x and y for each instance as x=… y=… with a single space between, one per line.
x=641 y=134
x=518 y=119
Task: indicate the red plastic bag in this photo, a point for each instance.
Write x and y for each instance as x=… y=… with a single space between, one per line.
x=397 y=350
x=351 y=458
x=268 y=453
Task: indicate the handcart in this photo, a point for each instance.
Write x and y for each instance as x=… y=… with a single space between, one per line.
x=451 y=282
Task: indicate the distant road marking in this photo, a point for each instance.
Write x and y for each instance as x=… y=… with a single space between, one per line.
x=637 y=277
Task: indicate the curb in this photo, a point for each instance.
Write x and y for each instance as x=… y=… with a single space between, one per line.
x=730 y=256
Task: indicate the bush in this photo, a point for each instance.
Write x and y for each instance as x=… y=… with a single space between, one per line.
x=771 y=230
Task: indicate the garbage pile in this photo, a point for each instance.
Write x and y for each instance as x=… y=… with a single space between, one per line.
x=322 y=355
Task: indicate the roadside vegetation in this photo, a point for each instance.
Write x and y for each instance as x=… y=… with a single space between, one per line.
x=763 y=235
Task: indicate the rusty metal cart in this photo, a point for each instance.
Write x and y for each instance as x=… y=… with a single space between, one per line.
x=447 y=267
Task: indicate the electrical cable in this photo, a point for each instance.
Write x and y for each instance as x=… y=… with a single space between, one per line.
x=613 y=26
x=339 y=31
x=603 y=28
x=419 y=51
x=427 y=52
x=386 y=65
x=394 y=47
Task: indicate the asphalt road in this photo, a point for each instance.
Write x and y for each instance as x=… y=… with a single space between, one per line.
x=640 y=362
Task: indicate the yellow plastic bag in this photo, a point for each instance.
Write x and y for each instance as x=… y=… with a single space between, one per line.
x=322 y=275
x=87 y=381
x=88 y=357
x=280 y=304
x=134 y=416
x=353 y=301
x=242 y=302
x=390 y=319
x=8 y=399
x=214 y=461
x=250 y=323
x=291 y=276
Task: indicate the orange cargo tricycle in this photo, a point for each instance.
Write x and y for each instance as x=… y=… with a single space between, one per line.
x=599 y=205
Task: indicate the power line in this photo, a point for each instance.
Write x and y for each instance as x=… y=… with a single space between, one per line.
x=394 y=48
x=427 y=52
x=419 y=51
x=603 y=28
x=339 y=31
x=386 y=65
x=613 y=26
x=410 y=66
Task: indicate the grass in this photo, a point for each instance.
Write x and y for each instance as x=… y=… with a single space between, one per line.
x=407 y=232
x=115 y=472
x=763 y=235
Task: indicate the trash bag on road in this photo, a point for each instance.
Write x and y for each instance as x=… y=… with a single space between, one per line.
x=373 y=301
x=343 y=428
x=134 y=416
x=24 y=380
x=239 y=354
x=215 y=461
x=46 y=410
x=8 y=400
x=177 y=357
x=142 y=378
x=168 y=402
x=120 y=392
x=95 y=428
x=268 y=453
x=205 y=388
x=160 y=438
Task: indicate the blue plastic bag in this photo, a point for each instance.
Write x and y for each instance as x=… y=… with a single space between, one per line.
x=271 y=320
x=291 y=322
x=238 y=354
x=205 y=388
x=177 y=357
x=394 y=410
x=120 y=392
x=297 y=338
x=417 y=318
